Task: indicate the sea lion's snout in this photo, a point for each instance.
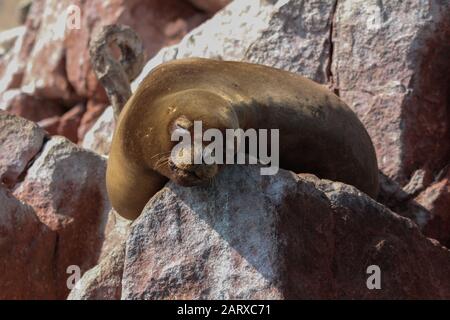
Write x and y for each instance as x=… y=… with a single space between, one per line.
x=185 y=172
x=192 y=174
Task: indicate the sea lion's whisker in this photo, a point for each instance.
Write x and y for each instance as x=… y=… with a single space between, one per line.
x=163 y=158
x=162 y=162
x=160 y=154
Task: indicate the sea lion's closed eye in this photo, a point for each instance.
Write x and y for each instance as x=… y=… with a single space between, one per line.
x=184 y=123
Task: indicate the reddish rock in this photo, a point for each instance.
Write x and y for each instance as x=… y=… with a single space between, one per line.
x=401 y=201
x=116 y=233
x=281 y=34
x=45 y=73
x=28 y=106
x=409 y=262
x=10 y=74
x=15 y=61
x=282 y=237
x=436 y=199
x=26 y=249
x=297 y=39
x=103 y=282
x=157 y=22
x=50 y=125
x=50 y=58
x=390 y=63
x=66 y=188
x=57 y=215
x=8 y=39
x=99 y=137
x=210 y=6
x=70 y=121
x=226 y=36
x=32 y=23
x=94 y=110
x=20 y=142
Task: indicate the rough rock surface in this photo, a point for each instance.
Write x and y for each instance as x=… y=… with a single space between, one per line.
x=210 y=6
x=282 y=236
x=94 y=110
x=26 y=250
x=436 y=199
x=55 y=212
x=30 y=107
x=99 y=137
x=157 y=22
x=226 y=36
x=12 y=64
x=390 y=63
x=8 y=39
x=70 y=121
x=66 y=187
x=297 y=39
x=103 y=282
x=20 y=142
x=396 y=198
x=116 y=231
x=45 y=74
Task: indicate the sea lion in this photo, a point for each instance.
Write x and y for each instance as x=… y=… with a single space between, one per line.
x=318 y=133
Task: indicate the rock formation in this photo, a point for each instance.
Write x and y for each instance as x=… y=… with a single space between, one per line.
x=54 y=210
x=245 y=236
x=269 y=237
x=349 y=50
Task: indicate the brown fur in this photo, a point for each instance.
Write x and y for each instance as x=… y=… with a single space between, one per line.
x=318 y=133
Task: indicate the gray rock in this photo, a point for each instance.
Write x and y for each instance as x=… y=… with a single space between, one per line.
x=103 y=282
x=390 y=63
x=66 y=188
x=258 y=237
x=99 y=137
x=26 y=250
x=20 y=141
x=297 y=39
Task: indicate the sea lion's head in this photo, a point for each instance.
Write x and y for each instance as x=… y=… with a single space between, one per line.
x=185 y=110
